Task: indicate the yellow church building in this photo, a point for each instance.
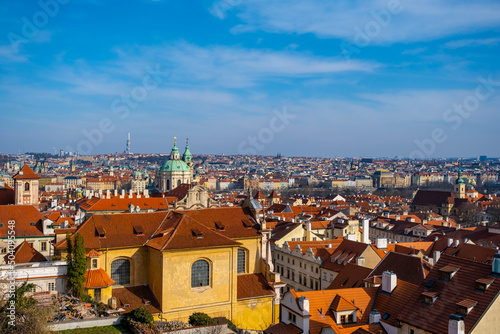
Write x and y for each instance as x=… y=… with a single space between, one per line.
x=178 y=263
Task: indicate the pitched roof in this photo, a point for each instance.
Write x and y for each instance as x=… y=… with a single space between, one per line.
x=253 y=286
x=97 y=278
x=25 y=253
x=282 y=328
x=390 y=305
x=340 y=304
x=7 y=196
x=26 y=217
x=346 y=252
x=180 y=191
x=282 y=229
x=351 y=276
x=432 y=197
x=462 y=286
x=407 y=268
x=115 y=203
x=136 y=296
x=26 y=173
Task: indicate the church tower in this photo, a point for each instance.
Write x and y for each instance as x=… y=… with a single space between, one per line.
x=459 y=189
x=175 y=171
x=26 y=187
x=187 y=157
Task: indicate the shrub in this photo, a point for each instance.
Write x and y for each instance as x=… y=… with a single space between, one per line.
x=200 y=319
x=142 y=315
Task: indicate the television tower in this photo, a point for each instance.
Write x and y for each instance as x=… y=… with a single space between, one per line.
x=127 y=150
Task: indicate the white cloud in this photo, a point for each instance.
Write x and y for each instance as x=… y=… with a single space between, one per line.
x=414 y=21
x=472 y=43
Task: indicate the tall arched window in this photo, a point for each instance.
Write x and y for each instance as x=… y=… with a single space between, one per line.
x=200 y=274
x=26 y=186
x=242 y=261
x=178 y=183
x=168 y=184
x=120 y=271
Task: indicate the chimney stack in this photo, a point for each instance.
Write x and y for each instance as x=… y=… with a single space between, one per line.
x=381 y=243
x=366 y=231
x=389 y=281
x=456 y=325
x=450 y=242
x=496 y=264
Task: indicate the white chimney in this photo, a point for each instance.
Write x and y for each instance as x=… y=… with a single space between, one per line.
x=398 y=217
x=450 y=242
x=130 y=193
x=374 y=317
x=108 y=194
x=123 y=194
x=366 y=231
x=115 y=193
x=100 y=192
x=308 y=225
x=138 y=194
x=436 y=256
x=457 y=242
x=381 y=243
x=131 y=208
x=360 y=261
x=304 y=304
x=352 y=237
x=456 y=325
x=389 y=281
x=146 y=193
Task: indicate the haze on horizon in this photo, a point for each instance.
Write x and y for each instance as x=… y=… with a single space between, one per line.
x=303 y=78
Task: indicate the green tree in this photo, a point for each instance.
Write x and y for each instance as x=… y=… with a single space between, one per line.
x=142 y=315
x=77 y=264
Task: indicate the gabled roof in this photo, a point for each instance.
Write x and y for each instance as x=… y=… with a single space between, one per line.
x=351 y=276
x=432 y=197
x=340 y=304
x=180 y=191
x=26 y=217
x=389 y=306
x=407 y=268
x=132 y=297
x=282 y=229
x=462 y=286
x=97 y=278
x=24 y=253
x=26 y=173
x=115 y=203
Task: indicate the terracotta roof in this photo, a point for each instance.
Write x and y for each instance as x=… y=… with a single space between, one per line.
x=97 y=278
x=136 y=296
x=390 y=305
x=407 y=268
x=253 y=286
x=26 y=173
x=340 y=304
x=282 y=328
x=347 y=251
x=351 y=276
x=7 y=196
x=93 y=253
x=25 y=253
x=27 y=219
x=115 y=203
x=472 y=252
x=282 y=229
x=180 y=191
x=461 y=286
x=322 y=316
x=432 y=197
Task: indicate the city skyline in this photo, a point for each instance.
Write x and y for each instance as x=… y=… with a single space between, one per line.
x=304 y=78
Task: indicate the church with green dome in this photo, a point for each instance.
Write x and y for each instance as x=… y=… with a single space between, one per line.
x=176 y=170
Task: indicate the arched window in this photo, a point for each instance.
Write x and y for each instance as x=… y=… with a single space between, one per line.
x=200 y=274
x=120 y=271
x=242 y=261
x=26 y=186
x=178 y=183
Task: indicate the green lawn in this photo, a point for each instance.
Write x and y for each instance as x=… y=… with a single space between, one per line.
x=97 y=330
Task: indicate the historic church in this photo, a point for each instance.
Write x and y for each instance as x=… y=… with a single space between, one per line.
x=175 y=179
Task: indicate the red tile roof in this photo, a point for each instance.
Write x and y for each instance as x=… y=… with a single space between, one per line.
x=407 y=268
x=122 y=204
x=26 y=173
x=391 y=305
x=351 y=276
x=282 y=328
x=461 y=286
x=24 y=216
x=25 y=253
x=253 y=286
x=97 y=278
x=136 y=296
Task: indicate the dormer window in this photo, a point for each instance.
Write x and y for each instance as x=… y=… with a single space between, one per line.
x=197 y=233
x=429 y=297
x=447 y=272
x=219 y=226
x=94 y=263
x=138 y=230
x=465 y=306
x=483 y=284
x=100 y=231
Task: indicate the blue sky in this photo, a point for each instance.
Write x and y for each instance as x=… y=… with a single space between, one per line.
x=304 y=78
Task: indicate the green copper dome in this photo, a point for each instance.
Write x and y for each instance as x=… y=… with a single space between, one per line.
x=187 y=156
x=175 y=166
x=137 y=173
